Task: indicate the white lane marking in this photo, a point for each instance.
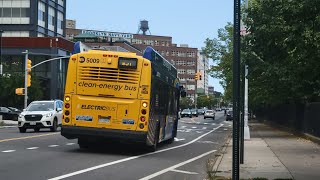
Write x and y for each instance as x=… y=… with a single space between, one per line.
x=199 y=131
x=206 y=123
x=225 y=129
x=183 y=127
x=185 y=172
x=69 y=144
x=8 y=151
x=176 y=166
x=54 y=145
x=194 y=127
x=130 y=158
x=230 y=125
x=177 y=139
x=207 y=142
x=204 y=128
x=213 y=123
x=31 y=148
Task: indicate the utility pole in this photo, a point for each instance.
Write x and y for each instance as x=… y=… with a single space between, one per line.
x=1 y=66
x=25 y=79
x=236 y=91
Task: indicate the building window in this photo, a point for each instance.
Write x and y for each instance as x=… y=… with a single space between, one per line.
x=51 y=19
x=156 y=43
x=41 y=14
x=163 y=43
x=191 y=87
x=181 y=71
x=60 y=23
x=7 y=12
x=61 y=2
x=191 y=71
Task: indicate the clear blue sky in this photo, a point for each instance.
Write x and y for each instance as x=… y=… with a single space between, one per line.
x=186 y=21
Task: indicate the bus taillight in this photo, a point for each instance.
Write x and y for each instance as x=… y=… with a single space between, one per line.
x=143 y=111
x=142 y=119
x=67 y=113
x=67 y=98
x=67 y=120
x=144 y=104
x=67 y=105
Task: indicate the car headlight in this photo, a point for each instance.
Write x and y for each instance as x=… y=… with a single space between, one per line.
x=20 y=115
x=49 y=114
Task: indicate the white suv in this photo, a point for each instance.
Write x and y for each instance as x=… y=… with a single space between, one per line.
x=41 y=114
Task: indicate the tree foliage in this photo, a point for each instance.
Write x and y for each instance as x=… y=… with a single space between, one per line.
x=282 y=50
x=186 y=103
x=206 y=101
x=13 y=79
x=220 y=50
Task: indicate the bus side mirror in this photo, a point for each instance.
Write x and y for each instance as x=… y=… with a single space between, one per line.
x=183 y=93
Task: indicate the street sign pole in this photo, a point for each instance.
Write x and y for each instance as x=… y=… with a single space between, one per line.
x=236 y=91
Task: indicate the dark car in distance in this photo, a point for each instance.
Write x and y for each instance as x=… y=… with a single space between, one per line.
x=201 y=111
x=194 y=112
x=229 y=116
x=186 y=112
x=9 y=113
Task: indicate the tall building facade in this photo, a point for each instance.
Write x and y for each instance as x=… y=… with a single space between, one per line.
x=33 y=18
x=203 y=67
x=182 y=57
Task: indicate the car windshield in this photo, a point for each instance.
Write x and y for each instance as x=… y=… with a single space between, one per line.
x=186 y=110
x=209 y=111
x=41 y=106
x=193 y=110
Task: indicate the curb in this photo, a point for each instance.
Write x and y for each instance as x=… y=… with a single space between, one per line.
x=218 y=160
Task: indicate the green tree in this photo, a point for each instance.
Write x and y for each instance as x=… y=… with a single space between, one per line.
x=220 y=50
x=185 y=103
x=283 y=50
x=14 y=79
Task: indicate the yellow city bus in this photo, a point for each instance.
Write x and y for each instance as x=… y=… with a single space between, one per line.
x=121 y=96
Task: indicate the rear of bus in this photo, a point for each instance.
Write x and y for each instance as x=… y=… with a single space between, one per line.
x=107 y=96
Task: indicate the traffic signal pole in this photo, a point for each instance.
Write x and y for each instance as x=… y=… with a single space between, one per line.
x=27 y=71
x=25 y=79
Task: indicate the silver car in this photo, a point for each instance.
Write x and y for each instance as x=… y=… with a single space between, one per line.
x=209 y=114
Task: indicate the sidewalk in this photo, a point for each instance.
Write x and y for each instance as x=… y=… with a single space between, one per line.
x=8 y=123
x=272 y=154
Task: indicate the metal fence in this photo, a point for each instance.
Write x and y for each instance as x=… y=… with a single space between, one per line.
x=301 y=117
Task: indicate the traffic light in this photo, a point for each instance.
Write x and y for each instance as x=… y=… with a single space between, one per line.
x=20 y=91
x=196 y=77
x=200 y=76
x=29 y=64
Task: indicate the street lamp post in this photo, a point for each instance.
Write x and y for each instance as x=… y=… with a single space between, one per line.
x=1 y=68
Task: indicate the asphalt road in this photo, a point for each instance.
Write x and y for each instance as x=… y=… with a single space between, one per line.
x=47 y=155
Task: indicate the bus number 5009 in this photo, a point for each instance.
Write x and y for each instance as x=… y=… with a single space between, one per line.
x=92 y=60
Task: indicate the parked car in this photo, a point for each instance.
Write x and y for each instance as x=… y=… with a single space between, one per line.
x=194 y=112
x=41 y=114
x=210 y=114
x=218 y=109
x=8 y=114
x=229 y=116
x=201 y=111
x=186 y=112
